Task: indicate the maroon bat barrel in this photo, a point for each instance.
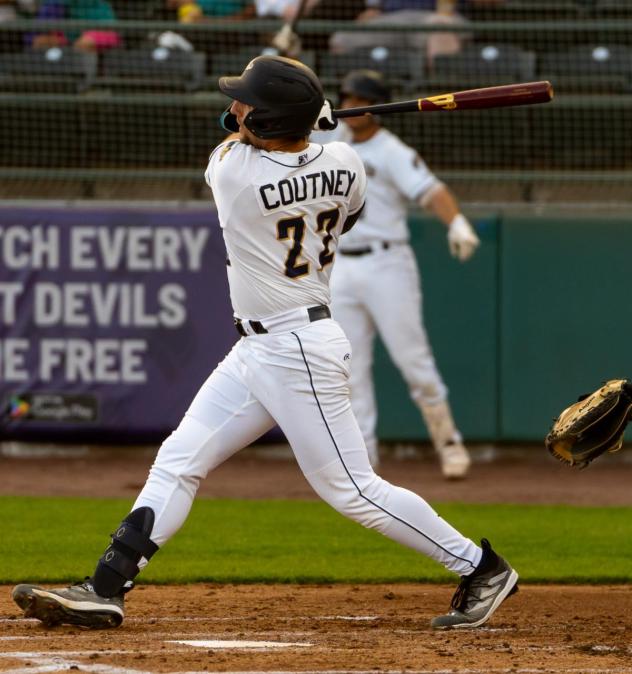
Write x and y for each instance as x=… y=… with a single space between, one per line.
x=525 y=93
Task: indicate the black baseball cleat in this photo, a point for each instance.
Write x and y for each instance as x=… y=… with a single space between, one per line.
x=480 y=593
x=78 y=604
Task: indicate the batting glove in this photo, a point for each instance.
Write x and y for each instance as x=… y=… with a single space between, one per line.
x=287 y=42
x=462 y=238
x=326 y=120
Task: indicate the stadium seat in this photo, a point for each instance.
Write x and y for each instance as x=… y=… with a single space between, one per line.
x=402 y=67
x=485 y=65
x=590 y=67
x=234 y=62
x=57 y=70
x=158 y=68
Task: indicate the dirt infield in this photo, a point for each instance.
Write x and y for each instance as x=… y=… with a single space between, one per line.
x=507 y=475
x=374 y=628
x=340 y=628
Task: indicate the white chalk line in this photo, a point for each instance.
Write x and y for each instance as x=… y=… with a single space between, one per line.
x=236 y=644
x=342 y=617
x=175 y=619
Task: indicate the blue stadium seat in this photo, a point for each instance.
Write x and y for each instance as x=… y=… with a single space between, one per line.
x=592 y=67
x=402 y=67
x=158 y=68
x=485 y=65
x=234 y=62
x=58 y=70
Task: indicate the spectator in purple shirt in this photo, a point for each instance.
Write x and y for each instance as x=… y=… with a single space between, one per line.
x=87 y=10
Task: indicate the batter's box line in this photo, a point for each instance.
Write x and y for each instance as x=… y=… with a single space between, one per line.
x=176 y=619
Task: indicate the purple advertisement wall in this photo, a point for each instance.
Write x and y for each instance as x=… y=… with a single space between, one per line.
x=110 y=319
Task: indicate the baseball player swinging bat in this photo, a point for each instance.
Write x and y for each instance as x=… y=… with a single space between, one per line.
x=526 y=93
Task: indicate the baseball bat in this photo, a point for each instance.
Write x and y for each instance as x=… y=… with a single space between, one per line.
x=299 y=13
x=286 y=41
x=525 y=93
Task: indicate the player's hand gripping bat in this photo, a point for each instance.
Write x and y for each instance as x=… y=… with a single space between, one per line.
x=525 y=93
x=287 y=42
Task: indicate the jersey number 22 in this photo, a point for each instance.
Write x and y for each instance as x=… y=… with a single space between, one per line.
x=294 y=228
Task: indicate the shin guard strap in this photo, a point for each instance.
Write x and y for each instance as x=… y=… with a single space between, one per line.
x=127 y=536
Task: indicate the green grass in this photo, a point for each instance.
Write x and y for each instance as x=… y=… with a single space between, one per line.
x=57 y=540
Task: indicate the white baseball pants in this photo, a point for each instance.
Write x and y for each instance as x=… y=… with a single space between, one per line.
x=381 y=292
x=297 y=378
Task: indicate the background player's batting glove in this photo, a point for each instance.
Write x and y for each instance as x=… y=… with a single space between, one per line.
x=593 y=425
x=325 y=120
x=462 y=238
x=287 y=42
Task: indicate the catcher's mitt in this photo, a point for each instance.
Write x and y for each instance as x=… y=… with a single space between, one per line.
x=593 y=425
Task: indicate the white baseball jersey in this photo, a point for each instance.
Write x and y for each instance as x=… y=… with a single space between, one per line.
x=282 y=214
x=397 y=175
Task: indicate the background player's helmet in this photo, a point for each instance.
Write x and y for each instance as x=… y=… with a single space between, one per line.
x=368 y=84
x=286 y=96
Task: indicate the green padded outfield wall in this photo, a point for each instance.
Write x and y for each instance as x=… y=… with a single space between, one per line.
x=541 y=313
x=565 y=315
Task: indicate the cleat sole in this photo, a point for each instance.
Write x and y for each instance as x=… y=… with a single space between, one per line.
x=51 y=613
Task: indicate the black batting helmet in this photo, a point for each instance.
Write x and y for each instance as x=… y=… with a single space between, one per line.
x=368 y=84
x=285 y=94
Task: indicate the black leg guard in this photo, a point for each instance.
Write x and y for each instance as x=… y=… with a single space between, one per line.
x=119 y=563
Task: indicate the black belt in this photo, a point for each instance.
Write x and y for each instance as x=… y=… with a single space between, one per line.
x=316 y=313
x=384 y=245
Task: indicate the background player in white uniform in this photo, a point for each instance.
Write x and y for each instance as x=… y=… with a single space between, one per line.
x=283 y=204
x=376 y=264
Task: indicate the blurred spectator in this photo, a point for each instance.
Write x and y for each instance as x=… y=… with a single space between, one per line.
x=284 y=9
x=409 y=13
x=337 y=10
x=198 y=11
x=85 y=10
x=10 y=10
x=314 y=9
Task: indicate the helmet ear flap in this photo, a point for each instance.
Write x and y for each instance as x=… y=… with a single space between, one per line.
x=228 y=121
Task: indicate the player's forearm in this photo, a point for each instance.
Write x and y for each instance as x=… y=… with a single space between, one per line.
x=441 y=202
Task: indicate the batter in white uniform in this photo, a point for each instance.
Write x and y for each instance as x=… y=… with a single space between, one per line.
x=376 y=285
x=283 y=204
